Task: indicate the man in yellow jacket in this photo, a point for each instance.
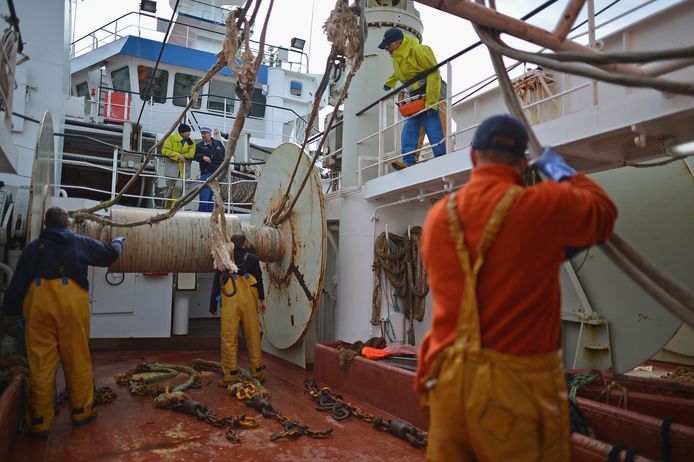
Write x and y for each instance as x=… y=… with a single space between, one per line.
x=180 y=149
x=409 y=59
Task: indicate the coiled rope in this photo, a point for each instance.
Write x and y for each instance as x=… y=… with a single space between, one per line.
x=397 y=258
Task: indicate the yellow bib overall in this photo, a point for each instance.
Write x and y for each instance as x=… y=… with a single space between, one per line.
x=57 y=326
x=486 y=405
x=242 y=307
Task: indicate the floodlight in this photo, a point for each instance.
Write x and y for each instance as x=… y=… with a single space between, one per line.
x=298 y=43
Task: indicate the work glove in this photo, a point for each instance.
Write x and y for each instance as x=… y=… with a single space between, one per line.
x=189 y=141
x=553 y=165
x=119 y=240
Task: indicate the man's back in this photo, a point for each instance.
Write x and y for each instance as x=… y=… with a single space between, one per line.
x=57 y=253
x=518 y=286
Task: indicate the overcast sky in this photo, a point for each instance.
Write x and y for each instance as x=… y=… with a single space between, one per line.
x=446 y=34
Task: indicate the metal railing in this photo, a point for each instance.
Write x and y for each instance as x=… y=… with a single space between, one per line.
x=103 y=107
x=149 y=26
x=380 y=157
x=228 y=186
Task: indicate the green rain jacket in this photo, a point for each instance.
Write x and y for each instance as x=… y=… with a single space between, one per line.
x=411 y=58
x=172 y=148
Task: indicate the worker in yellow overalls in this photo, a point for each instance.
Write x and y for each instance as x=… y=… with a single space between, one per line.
x=50 y=288
x=490 y=370
x=242 y=296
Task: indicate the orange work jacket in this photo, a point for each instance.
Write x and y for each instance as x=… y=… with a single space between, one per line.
x=518 y=286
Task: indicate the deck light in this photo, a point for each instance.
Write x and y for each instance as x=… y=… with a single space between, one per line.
x=298 y=43
x=150 y=6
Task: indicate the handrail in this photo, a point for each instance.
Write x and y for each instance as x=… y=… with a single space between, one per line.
x=174 y=22
x=231 y=98
x=426 y=72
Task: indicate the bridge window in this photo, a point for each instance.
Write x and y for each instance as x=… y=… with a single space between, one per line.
x=219 y=90
x=295 y=87
x=81 y=89
x=159 y=86
x=120 y=79
x=258 y=103
x=183 y=84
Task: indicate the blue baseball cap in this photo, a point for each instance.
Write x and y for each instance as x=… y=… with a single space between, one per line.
x=205 y=129
x=391 y=35
x=503 y=133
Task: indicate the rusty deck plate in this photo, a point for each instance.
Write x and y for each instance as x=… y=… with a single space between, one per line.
x=131 y=428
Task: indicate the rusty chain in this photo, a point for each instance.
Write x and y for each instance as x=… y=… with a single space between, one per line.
x=291 y=429
x=326 y=400
x=102 y=395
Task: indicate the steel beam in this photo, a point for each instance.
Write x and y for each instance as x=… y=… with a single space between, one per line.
x=486 y=17
x=567 y=19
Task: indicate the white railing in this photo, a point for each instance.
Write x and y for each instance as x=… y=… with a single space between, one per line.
x=186 y=184
x=156 y=117
x=151 y=27
x=376 y=160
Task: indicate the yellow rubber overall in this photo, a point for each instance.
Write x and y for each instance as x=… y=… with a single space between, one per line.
x=485 y=405
x=57 y=326
x=242 y=308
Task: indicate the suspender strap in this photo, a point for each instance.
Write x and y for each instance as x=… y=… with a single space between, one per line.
x=468 y=315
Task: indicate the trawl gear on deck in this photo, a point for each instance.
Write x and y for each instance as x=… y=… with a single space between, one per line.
x=241 y=307
x=50 y=286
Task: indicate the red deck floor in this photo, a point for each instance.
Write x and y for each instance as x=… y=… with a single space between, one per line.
x=131 y=428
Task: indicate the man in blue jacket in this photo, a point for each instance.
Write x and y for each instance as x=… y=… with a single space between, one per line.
x=210 y=154
x=50 y=288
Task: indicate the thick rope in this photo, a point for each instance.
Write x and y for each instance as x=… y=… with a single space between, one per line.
x=222 y=247
x=344 y=32
x=671 y=295
x=8 y=53
x=398 y=259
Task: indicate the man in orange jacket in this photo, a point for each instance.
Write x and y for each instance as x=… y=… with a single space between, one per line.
x=490 y=370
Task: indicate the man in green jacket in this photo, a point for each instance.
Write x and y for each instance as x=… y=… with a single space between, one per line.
x=409 y=59
x=179 y=148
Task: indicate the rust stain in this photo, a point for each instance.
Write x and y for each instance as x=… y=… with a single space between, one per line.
x=301 y=281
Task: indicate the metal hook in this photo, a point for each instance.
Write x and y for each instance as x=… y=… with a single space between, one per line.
x=223 y=280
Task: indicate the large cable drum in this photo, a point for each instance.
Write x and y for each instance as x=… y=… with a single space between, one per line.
x=294 y=282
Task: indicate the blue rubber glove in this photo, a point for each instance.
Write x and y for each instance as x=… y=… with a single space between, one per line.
x=119 y=240
x=553 y=165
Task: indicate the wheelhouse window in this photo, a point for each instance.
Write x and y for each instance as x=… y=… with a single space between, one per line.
x=258 y=103
x=219 y=90
x=183 y=84
x=81 y=89
x=120 y=79
x=295 y=88
x=160 y=83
